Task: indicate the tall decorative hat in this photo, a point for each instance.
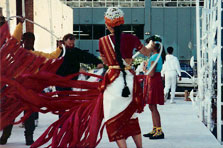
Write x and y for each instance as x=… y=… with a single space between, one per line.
x=114 y=17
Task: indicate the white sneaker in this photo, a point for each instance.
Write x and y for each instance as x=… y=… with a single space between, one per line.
x=172 y=102
x=165 y=97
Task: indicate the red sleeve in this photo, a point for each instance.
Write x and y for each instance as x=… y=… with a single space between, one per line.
x=138 y=45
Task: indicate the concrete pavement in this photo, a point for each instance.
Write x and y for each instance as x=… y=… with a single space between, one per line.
x=180 y=124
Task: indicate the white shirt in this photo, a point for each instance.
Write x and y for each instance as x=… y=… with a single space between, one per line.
x=171 y=64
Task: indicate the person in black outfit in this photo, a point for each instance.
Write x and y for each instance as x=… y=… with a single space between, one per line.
x=73 y=56
x=28 y=39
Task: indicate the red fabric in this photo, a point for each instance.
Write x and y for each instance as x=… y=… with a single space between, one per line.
x=122 y=126
x=4 y=33
x=128 y=43
x=153 y=90
x=23 y=78
x=108 y=52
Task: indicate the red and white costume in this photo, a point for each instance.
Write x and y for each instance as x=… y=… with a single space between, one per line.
x=119 y=111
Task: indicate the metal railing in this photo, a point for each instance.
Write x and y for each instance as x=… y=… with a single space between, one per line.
x=104 y=3
x=175 y=3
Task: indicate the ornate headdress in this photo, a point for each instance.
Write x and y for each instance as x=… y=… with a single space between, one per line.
x=114 y=17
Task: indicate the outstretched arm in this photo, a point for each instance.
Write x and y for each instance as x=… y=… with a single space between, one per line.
x=17 y=34
x=146 y=50
x=52 y=55
x=89 y=58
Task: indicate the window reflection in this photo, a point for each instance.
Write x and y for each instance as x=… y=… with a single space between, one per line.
x=98 y=31
x=89 y=32
x=85 y=32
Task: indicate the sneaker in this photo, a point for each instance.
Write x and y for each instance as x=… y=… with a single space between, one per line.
x=158 y=135
x=150 y=134
x=172 y=102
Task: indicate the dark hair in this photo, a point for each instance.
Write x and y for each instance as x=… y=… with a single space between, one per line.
x=117 y=31
x=157 y=46
x=27 y=35
x=69 y=36
x=170 y=50
x=2 y=20
x=154 y=38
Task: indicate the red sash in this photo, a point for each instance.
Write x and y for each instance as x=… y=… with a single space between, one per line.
x=109 y=54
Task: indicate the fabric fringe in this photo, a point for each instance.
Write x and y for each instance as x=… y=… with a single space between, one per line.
x=23 y=78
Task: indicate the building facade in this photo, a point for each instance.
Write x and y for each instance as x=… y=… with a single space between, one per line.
x=54 y=15
x=173 y=20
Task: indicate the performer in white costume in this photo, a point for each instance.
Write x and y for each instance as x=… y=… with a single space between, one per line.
x=171 y=68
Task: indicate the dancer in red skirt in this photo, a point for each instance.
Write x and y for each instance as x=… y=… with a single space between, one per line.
x=122 y=92
x=153 y=94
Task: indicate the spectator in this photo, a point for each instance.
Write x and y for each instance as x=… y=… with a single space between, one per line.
x=153 y=93
x=170 y=70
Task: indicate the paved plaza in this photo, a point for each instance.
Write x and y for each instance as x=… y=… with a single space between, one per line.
x=180 y=124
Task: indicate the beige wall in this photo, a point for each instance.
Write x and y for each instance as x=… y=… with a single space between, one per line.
x=56 y=17
x=11 y=4
x=51 y=14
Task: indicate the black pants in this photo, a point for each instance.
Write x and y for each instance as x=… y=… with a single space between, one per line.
x=29 y=128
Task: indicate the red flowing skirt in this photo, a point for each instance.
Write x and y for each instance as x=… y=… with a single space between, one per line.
x=153 y=90
x=122 y=126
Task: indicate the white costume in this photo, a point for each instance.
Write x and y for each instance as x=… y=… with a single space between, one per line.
x=171 y=68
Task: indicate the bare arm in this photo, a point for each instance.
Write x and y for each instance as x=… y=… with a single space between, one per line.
x=146 y=50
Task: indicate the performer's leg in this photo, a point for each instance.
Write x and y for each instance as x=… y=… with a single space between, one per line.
x=154 y=119
x=155 y=115
x=121 y=143
x=138 y=140
x=29 y=129
x=167 y=86
x=156 y=123
x=173 y=88
x=6 y=134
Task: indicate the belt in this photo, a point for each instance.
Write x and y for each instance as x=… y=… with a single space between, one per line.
x=118 y=67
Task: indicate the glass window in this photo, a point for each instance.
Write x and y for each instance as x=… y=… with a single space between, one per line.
x=127 y=29
x=98 y=31
x=76 y=31
x=138 y=30
x=85 y=32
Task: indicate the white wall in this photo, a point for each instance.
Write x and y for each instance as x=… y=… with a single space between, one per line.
x=56 y=17
x=9 y=9
x=51 y=14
